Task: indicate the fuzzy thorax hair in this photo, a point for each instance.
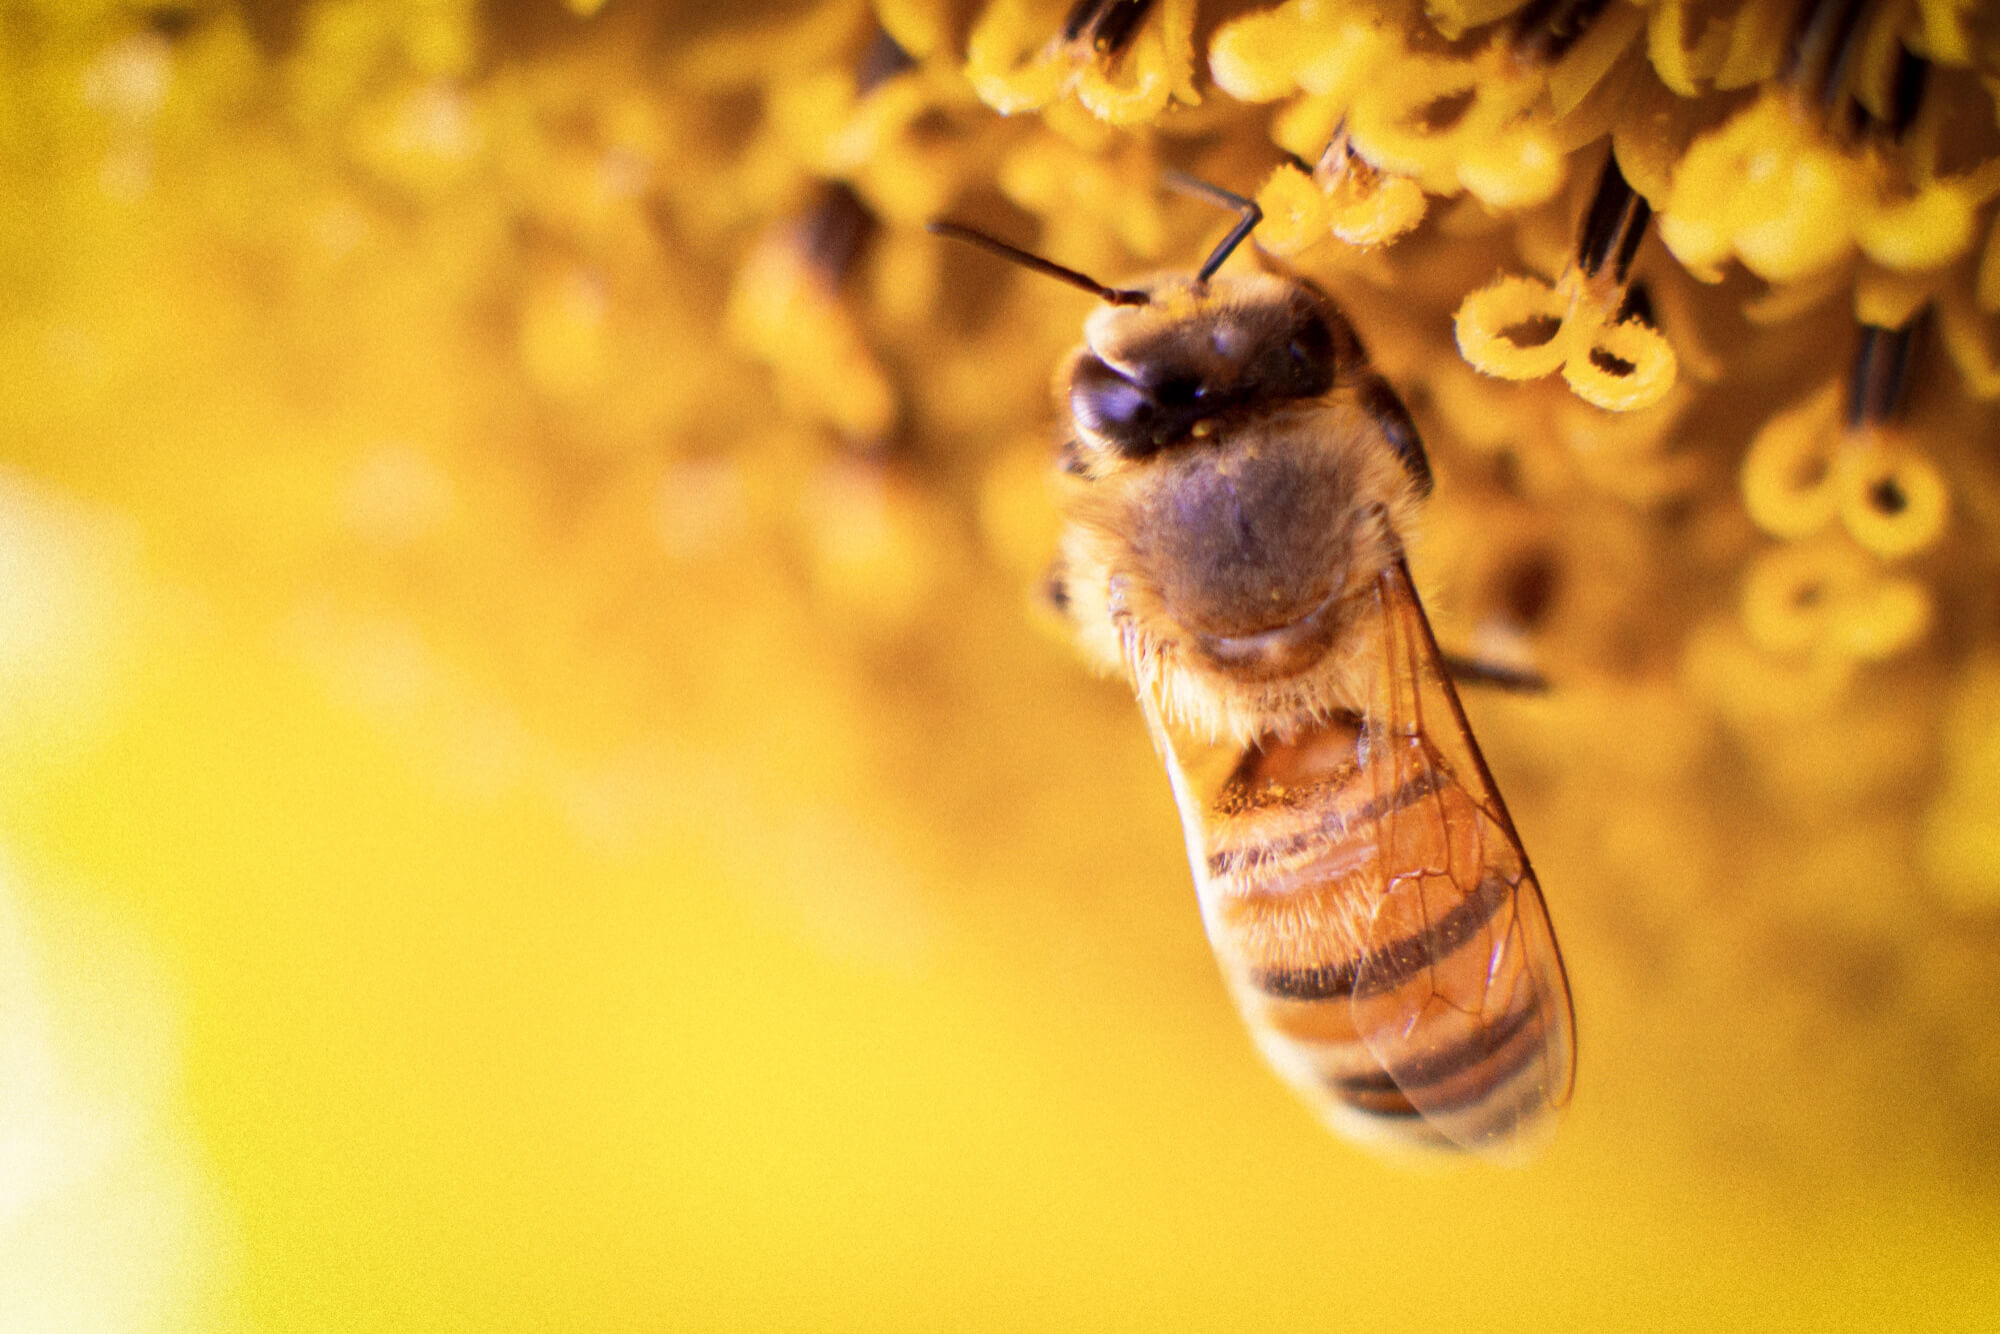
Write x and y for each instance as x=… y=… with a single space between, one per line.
x=1286 y=516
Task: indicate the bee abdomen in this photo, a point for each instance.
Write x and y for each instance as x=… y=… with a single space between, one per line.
x=1456 y=1077
x=1296 y=881
x=1314 y=1047
x=1392 y=966
x=1487 y=1078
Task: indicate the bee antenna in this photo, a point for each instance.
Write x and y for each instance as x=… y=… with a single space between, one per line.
x=1215 y=194
x=1117 y=296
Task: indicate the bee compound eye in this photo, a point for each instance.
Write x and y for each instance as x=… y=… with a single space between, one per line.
x=1310 y=353
x=1107 y=404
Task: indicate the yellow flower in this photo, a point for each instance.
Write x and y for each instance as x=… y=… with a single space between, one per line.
x=1893 y=500
x=1771 y=188
x=1345 y=196
x=513 y=553
x=1961 y=828
x=1522 y=328
x=1826 y=599
x=787 y=309
x=1451 y=123
x=1804 y=469
x=1124 y=70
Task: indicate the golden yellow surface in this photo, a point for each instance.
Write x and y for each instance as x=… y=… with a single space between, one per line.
x=528 y=801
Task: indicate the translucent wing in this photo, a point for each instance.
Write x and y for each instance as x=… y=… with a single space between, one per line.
x=1459 y=991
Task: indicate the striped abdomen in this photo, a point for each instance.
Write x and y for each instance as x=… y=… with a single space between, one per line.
x=1385 y=940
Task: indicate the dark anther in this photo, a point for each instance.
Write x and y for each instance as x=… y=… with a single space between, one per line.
x=1823 y=46
x=1528 y=589
x=1829 y=41
x=1879 y=381
x=1635 y=232
x=1114 y=32
x=171 y=22
x=1906 y=94
x=1858 y=121
x=882 y=61
x=834 y=232
x=1111 y=24
x=1614 y=224
x=1545 y=30
x=1080 y=15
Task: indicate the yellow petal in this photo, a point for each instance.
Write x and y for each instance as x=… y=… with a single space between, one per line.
x=1926 y=230
x=1884 y=620
x=1255 y=58
x=1684 y=65
x=1374 y=208
x=1788 y=475
x=1012 y=59
x=1791 y=591
x=1513 y=328
x=1892 y=500
x=1626 y=367
x=1295 y=217
x=1518 y=170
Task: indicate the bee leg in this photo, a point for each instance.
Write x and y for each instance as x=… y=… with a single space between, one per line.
x=1880 y=378
x=1055 y=590
x=1070 y=459
x=1478 y=672
x=1379 y=401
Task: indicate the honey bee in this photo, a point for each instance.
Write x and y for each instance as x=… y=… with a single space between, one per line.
x=1239 y=481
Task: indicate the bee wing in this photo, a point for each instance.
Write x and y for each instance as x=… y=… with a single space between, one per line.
x=1460 y=993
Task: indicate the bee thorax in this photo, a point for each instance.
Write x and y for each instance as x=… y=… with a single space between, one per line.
x=1249 y=551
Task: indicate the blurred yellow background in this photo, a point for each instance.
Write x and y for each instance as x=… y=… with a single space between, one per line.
x=517 y=811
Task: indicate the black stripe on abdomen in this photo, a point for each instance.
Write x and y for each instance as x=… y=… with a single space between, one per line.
x=1331 y=827
x=1442 y=1066
x=1400 y=960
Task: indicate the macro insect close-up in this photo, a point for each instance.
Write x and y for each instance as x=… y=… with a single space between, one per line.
x=1233 y=545
x=754 y=666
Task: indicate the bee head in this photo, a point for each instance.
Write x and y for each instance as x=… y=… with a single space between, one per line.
x=1196 y=354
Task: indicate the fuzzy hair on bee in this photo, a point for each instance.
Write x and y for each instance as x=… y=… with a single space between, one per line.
x=1239 y=485
x=1232 y=499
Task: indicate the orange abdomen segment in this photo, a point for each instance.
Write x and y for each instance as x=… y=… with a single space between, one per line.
x=1373 y=934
